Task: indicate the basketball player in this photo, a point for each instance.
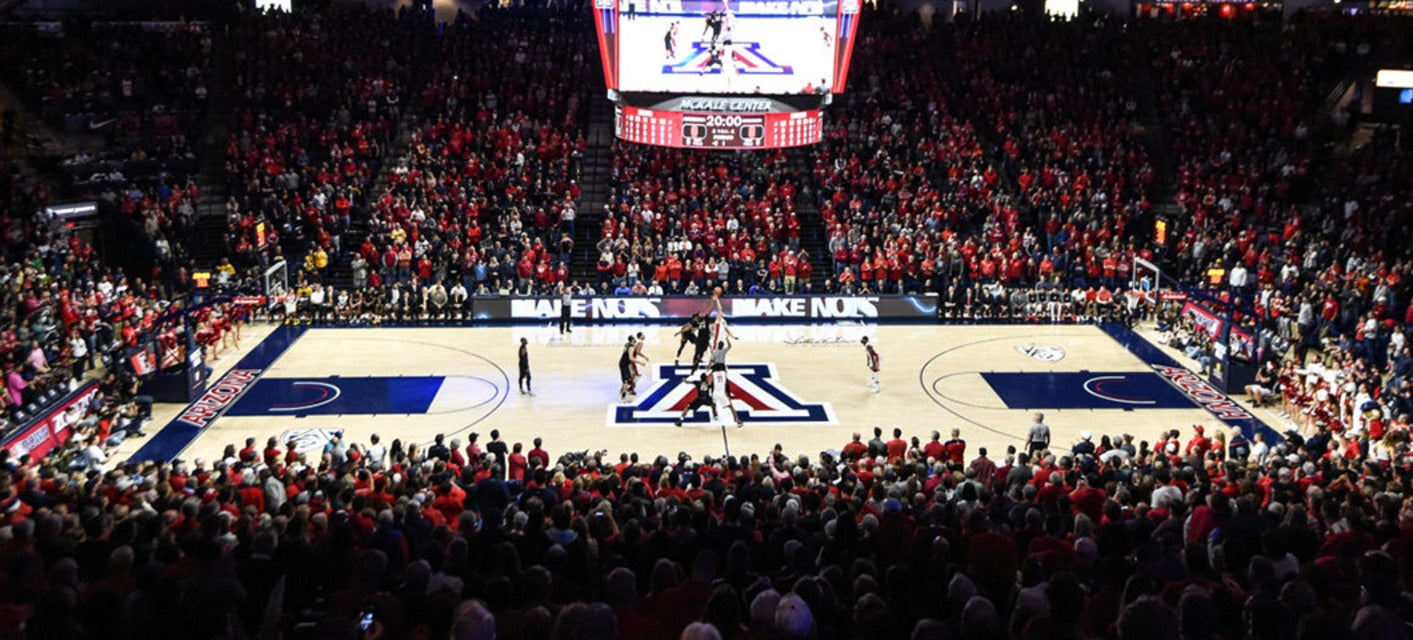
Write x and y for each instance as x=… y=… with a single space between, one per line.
x=625 y=369
x=640 y=360
x=703 y=338
x=525 y=368
x=872 y=362
x=704 y=399
x=714 y=59
x=713 y=24
x=670 y=41
x=719 y=328
x=718 y=375
x=688 y=333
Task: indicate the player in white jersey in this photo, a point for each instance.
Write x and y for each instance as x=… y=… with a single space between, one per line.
x=640 y=361
x=719 y=330
x=719 y=379
x=872 y=361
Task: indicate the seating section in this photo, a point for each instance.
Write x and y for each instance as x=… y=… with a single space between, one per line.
x=687 y=221
x=1016 y=168
x=317 y=101
x=478 y=198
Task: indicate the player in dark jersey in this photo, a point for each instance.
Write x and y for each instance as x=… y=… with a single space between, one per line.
x=625 y=369
x=712 y=25
x=688 y=333
x=714 y=59
x=669 y=40
x=525 y=368
x=703 y=398
x=703 y=338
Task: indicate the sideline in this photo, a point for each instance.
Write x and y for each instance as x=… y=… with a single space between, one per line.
x=184 y=428
x=1220 y=405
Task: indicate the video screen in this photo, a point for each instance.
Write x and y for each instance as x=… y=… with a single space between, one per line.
x=727 y=46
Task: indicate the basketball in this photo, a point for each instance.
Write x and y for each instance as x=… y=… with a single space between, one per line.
x=716 y=293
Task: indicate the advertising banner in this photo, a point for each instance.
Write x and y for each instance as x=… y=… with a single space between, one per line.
x=1244 y=342
x=53 y=427
x=908 y=307
x=1204 y=318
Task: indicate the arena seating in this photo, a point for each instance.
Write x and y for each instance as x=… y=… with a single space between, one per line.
x=478 y=197
x=1011 y=183
x=140 y=89
x=688 y=221
x=318 y=99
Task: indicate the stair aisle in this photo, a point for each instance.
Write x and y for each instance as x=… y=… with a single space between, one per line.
x=595 y=171
x=813 y=236
x=207 y=239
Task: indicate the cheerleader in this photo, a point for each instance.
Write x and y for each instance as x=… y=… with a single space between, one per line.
x=210 y=340
x=225 y=330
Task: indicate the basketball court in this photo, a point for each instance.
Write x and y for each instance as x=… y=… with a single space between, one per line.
x=802 y=386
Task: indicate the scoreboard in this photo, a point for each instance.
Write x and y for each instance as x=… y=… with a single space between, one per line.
x=726 y=130
x=724 y=74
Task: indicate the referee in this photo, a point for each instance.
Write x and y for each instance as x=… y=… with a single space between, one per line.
x=566 y=302
x=1038 y=438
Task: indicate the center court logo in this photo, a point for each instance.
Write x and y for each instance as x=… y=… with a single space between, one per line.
x=747 y=56
x=755 y=389
x=1043 y=354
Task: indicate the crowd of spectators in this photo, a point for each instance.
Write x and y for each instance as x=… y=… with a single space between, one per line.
x=685 y=221
x=1020 y=164
x=318 y=97
x=1229 y=534
x=63 y=312
x=484 y=196
x=140 y=87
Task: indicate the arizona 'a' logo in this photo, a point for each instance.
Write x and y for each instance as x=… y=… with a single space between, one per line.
x=746 y=59
x=755 y=392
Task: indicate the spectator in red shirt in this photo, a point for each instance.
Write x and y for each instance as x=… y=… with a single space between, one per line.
x=984 y=467
x=538 y=456
x=272 y=452
x=934 y=450
x=1199 y=445
x=856 y=449
x=956 y=448
x=897 y=447
x=248 y=455
x=1087 y=500
x=516 y=464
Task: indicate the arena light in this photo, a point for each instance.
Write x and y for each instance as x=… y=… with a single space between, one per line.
x=1394 y=79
